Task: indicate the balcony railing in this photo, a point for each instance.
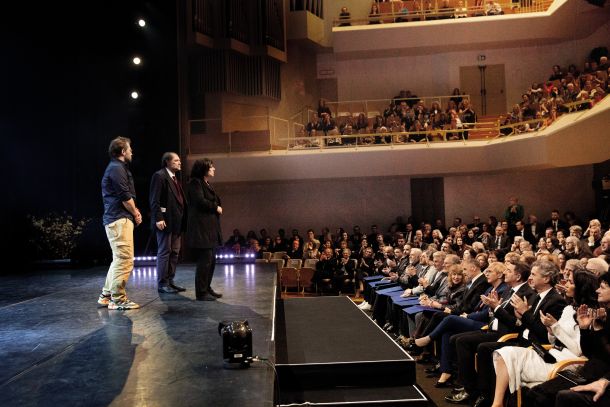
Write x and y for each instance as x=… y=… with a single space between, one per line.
x=268 y=133
x=415 y=10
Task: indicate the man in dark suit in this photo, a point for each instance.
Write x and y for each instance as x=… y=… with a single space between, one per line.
x=168 y=220
x=543 y=278
x=476 y=223
x=500 y=242
x=503 y=321
x=533 y=230
x=555 y=222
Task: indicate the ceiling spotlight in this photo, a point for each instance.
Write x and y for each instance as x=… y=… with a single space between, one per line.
x=141 y=23
x=134 y=95
x=136 y=60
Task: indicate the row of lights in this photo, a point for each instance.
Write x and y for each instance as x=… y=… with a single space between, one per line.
x=136 y=60
x=232 y=256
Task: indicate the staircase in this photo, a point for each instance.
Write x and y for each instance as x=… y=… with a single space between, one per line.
x=486 y=128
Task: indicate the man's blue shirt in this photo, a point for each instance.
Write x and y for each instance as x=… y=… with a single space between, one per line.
x=117 y=187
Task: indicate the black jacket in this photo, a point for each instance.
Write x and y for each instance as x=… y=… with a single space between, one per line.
x=472 y=296
x=165 y=203
x=203 y=227
x=553 y=303
x=507 y=321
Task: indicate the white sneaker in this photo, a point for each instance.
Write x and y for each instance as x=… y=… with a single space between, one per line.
x=362 y=304
x=367 y=307
x=122 y=305
x=104 y=300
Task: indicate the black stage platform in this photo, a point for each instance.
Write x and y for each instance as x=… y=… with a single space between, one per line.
x=58 y=348
x=329 y=352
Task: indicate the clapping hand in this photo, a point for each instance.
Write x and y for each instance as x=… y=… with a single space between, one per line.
x=492 y=300
x=584 y=316
x=547 y=319
x=601 y=314
x=519 y=305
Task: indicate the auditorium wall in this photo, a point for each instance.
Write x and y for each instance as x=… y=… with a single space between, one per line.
x=374 y=200
x=439 y=73
x=538 y=191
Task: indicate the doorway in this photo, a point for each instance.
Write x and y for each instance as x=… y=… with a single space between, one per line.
x=485 y=84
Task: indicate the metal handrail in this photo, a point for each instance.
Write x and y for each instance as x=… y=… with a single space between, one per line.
x=293 y=141
x=421 y=14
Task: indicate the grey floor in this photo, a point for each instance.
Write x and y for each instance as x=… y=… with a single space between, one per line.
x=57 y=347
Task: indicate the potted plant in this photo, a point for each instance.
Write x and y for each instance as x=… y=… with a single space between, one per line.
x=54 y=236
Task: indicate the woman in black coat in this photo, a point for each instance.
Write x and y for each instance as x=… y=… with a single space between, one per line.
x=203 y=232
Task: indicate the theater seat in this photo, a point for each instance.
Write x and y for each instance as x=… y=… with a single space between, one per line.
x=296 y=263
x=305 y=276
x=289 y=278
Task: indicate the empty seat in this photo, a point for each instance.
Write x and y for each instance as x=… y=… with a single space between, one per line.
x=289 y=278
x=305 y=276
x=296 y=263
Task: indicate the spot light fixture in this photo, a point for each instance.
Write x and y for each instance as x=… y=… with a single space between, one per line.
x=141 y=22
x=135 y=95
x=136 y=60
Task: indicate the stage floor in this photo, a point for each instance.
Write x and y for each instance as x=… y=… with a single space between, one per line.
x=59 y=348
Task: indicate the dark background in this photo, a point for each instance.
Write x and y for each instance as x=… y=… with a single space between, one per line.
x=67 y=75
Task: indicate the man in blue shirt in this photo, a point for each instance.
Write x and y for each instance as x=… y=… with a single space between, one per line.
x=120 y=215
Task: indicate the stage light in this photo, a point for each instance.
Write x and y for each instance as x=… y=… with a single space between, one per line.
x=236 y=343
x=134 y=95
x=137 y=60
x=141 y=22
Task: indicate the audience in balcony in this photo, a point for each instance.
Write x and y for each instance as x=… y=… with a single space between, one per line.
x=493 y=8
x=323 y=108
x=539 y=106
x=374 y=15
x=460 y=10
x=344 y=16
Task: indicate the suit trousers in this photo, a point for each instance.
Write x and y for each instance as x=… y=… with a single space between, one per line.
x=569 y=398
x=168 y=250
x=206 y=262
x=466 y=345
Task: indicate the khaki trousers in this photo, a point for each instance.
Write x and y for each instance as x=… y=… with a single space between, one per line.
x=120 y=237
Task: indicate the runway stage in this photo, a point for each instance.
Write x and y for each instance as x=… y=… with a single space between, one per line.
x=58 y=348
x=328 y=352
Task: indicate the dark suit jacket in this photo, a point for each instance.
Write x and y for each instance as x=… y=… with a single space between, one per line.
x=561 y=225
x=530 y=237
x=472 y=296
x=504 y=243
x=481 y=313
x=553 y=303
x=164 y=194
x=507 y=321
x=203 y=228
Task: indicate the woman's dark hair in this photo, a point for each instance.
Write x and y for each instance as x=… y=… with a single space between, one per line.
x=585 y=284
x=201 y=167
x=554 y=242
x=604 y=278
